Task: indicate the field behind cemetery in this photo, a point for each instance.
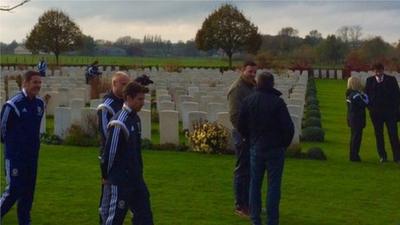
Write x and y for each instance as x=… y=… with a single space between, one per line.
x=118 y=60
x=196 y=189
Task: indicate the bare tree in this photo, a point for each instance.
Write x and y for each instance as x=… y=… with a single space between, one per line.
x=10 y=8
x=343 y=33
x=355 y=33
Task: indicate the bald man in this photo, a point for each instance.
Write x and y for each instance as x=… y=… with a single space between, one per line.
x=112 y=103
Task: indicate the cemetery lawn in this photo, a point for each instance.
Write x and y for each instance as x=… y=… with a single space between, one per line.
x=196 y=189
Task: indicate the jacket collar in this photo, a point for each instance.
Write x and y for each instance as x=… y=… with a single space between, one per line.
x=25 y=94
x=270 y=91
x=128 y=109
x=115 y=97
x=246 y=83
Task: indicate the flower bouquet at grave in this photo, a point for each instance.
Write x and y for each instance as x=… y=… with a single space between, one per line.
x=208 y=137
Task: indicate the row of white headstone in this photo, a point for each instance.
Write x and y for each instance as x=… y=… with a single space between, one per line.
x=186 y=96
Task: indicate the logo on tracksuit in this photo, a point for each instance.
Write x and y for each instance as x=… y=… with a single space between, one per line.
x=14 y=172
x=121 y=204
x=39 y=111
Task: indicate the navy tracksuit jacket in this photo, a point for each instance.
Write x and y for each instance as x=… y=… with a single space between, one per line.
x=20 y=133
x=122 y=167
x=105 y=111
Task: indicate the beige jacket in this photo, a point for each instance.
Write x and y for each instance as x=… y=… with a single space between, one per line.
x=238 y=91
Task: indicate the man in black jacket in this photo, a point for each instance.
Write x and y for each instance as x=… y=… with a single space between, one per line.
x=265 y=123
x=384 y=100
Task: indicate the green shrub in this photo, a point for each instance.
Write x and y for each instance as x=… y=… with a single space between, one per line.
x=182 y=147
x=313 y=134
x=312 y=122
x=294 y=151
x=312 y=107
x=311 y=100
x=146 y=144
x=312 y=113
x=50 y=139
x=316 y=153
x=154 y=116
x=311 y=92
x=77 y=136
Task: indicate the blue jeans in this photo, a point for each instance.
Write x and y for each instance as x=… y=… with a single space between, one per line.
x=241 y=178
x=271 y=160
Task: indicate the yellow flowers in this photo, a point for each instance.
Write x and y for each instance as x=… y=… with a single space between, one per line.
x=208 y=137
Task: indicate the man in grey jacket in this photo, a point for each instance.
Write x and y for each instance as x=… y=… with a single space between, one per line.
x=240 y=89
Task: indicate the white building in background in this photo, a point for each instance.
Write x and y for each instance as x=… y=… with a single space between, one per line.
x=21 y=50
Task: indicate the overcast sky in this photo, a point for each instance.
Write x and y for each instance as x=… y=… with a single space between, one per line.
x=179 y=20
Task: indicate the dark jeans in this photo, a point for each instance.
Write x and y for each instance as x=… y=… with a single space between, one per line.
x=355 y=142
x=241 y=179
x=390 y=119
x=272 y=161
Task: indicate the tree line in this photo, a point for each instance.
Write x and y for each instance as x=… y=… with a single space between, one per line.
x=225 y=32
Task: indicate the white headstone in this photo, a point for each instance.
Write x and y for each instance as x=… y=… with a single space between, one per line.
x=169 y=126
x=165 y=105
x=89 y=121
x=76 y=105
x=62 y=121
x=186 y=108
x=295 y=110
x=213 y=109
x=297 y=126
x=43 y=124
x=145 y=119
x=196 y=116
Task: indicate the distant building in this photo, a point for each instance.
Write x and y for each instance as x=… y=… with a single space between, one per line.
x=21 y=50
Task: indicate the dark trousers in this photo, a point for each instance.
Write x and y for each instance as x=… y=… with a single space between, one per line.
x=272 y=161
x=355 y=143
x=21 y=180
x=241 y=178
x=390 y=119
x=119 y=199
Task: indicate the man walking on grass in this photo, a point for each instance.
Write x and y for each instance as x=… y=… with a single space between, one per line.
x=112 y=103
x=20 y=132
x=266 y=125
x=122 y=165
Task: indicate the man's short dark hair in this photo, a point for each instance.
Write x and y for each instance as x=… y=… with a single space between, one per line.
x=249 y=63
x=378 y=66
x=29 y=74
x=265 y=80
x=134 y=88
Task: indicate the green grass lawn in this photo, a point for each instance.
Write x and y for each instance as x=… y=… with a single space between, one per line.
x=196 y=189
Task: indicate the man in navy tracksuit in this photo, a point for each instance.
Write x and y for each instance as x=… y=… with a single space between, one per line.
x=122 y=166
x=20 y=125
x=112 y=103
